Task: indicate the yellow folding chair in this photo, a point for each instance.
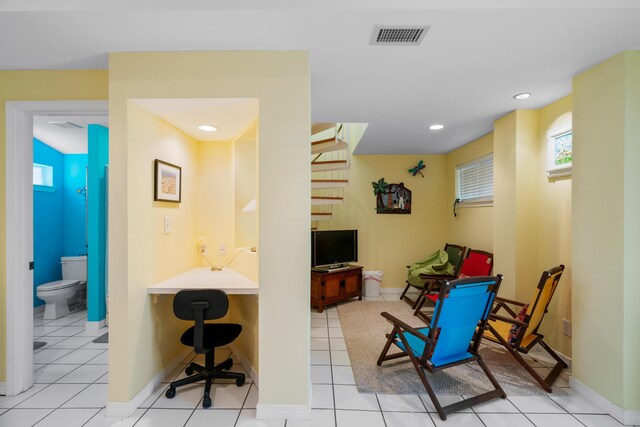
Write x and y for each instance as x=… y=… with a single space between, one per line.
x=519 y=332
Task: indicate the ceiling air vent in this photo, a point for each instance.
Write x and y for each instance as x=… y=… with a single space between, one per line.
x=67 y=125
x=393 y=35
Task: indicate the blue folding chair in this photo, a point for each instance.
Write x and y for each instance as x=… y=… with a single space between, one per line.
x=452 y=337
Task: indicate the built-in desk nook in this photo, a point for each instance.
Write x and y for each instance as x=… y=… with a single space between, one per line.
x=243 y=311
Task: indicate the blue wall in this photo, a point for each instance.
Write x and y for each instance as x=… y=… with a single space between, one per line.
x=47 y=221
x=75 y=220
x=59 y=221
x=98 y=159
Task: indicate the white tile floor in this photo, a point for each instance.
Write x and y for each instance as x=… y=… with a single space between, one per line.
x=71 y=376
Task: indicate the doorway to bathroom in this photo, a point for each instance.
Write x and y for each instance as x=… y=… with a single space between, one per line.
x=69 y=210
x=56 y=215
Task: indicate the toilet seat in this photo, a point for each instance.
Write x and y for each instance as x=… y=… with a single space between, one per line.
x=57 y=285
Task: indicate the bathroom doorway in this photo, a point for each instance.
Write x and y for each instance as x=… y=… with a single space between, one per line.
x=70 y=155
x=20 y=153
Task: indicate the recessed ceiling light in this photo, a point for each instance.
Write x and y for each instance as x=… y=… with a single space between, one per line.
x=436 y=127
x=208 y=128
x=522 y=96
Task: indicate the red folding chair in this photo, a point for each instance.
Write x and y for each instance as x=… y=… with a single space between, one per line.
x=477 y=263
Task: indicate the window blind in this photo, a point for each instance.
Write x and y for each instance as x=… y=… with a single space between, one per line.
x=474 y=181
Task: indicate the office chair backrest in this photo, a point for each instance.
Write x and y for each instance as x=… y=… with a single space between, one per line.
x=463 y=306
x=213 y=302
x=542 y=297
x=477 y=263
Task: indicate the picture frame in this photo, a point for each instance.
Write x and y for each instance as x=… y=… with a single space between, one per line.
x=391 y=198
x=559 y=152
x=167 y=182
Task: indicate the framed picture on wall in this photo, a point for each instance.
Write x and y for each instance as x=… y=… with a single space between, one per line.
x=167 y=182
x=559 y=153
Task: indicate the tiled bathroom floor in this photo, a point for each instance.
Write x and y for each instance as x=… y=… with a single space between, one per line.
x=70 y=375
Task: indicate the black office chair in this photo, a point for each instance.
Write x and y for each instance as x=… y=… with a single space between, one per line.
x=205 y=337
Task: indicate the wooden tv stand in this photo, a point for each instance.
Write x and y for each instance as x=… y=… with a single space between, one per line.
x=330 y=287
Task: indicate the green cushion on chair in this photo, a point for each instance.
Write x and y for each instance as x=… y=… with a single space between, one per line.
x=436 y=264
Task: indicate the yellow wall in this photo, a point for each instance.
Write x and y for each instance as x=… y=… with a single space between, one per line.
x=605 y=211
x=153 y=255
x=531 y=223
x=554 y=228
x=632 y=234
x=504 y=202
x=36 y=86
x=218 y=185
x=216 y=216
x=281 y=82
x=527 y=152
x=473 y=227
x=391 y=242
x=245 y=179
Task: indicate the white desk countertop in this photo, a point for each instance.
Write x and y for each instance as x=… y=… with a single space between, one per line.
x=227 y=280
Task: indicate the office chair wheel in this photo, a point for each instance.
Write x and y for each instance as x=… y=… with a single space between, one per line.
x=227 y=364
x=188 y=370
x=206 y=402
x=240 y=382
x=171 y=393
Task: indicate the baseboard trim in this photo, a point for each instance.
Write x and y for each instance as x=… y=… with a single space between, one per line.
x=278 y=412
x=124 y=409
x=625 y=417
x=94 y=326
x=245 y=364
x=3 y=389
x=39 y=309
x=391 y=290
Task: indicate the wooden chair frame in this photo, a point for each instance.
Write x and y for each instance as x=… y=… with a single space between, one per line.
x=435 y=282
x=423 y=362
x=516 y=348
x=456 y=271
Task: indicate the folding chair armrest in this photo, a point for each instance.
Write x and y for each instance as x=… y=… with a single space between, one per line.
x=507 y=320
x=510 y=301
x=397 y=322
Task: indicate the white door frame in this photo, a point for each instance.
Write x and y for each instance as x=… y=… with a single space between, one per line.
x=19 y=231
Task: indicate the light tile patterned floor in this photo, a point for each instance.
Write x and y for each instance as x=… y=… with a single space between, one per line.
x=71 y=376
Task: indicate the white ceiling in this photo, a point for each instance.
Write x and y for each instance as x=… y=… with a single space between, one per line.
x=66 y=141
x=474 y=58
x=232 y=116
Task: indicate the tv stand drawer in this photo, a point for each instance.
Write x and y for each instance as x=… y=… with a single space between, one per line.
x=335 y=286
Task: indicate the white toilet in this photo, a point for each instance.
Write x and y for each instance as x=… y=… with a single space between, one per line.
x=70 y=292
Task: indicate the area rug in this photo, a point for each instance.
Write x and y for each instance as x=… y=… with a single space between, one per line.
x=102 y=339
x=364 y=333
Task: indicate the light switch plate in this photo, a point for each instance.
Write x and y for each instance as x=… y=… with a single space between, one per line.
x=168 y=226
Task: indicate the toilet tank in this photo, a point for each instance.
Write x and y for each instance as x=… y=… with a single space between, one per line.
x=74 y=267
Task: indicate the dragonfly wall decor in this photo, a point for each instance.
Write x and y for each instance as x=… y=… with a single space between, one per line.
x=418 y=169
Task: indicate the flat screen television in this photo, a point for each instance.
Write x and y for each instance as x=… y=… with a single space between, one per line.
x=331 y=249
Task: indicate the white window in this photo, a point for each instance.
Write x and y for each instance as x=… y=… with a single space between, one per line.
x=559 y=152
x=474 y=182
x=42 y=175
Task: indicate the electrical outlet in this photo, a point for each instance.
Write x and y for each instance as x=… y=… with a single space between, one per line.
x=222 y=250
x=566 y=327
